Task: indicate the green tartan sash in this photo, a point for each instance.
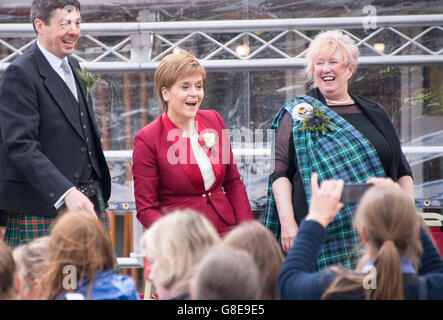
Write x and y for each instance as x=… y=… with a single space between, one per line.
x=343 y=153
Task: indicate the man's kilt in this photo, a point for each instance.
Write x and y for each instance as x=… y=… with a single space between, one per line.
x=23 y=228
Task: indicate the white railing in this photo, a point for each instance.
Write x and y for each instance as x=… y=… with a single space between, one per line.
x=119 y=155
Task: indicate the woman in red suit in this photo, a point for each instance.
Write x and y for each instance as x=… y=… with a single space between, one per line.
x=183 y=159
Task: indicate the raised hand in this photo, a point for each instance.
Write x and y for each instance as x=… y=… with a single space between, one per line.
x=325 y=200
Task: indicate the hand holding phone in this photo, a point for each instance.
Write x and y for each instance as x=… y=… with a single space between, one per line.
x=352 y=193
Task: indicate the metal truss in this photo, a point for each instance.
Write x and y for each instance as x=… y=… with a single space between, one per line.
x=241 y=44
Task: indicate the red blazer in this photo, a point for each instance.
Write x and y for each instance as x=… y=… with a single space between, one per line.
x=166 y=175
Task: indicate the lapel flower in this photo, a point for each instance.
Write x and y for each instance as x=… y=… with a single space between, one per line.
x=317 y=121
x=209 y=140
x=301 y=111
x=88 y=80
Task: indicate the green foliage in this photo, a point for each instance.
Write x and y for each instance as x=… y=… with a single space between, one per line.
x=88 y=80
x=317 y=121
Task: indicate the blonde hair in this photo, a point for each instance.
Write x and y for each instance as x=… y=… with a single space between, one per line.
x=80 y=240
x=178 y=241
x=258 y=241
x=391 y=223
x=329 y=42
x=173 y=67
x=7 y=272
x=32 y=261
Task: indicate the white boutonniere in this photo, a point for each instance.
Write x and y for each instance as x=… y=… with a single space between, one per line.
x=301 y=111
x=209 y=140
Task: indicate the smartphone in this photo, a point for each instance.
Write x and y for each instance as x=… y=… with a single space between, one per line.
x=352 y=193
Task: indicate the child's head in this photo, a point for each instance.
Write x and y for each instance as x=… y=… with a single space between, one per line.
x=79 y=243
x=173 y=245
x=8 y=279
x=32 y=261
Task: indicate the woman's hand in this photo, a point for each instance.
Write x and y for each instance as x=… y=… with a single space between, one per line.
x=288 y=232
x=325 y=200
x=282 y=189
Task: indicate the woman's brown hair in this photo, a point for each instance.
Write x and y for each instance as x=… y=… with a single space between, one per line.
x=82 y=242
x=7 y=272
x=258 y=241
x=391 y=223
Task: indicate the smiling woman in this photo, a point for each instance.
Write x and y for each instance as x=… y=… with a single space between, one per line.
x=183 y=159
x=332 y=60
x=359 y=141
x=184 y=98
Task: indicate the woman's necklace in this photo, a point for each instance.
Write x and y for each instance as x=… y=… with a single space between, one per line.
x=340 y=102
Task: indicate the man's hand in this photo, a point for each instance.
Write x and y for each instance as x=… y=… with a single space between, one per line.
x=325 y=200
x=75 y=200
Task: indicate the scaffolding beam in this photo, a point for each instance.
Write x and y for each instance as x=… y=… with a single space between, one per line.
x=148 y=42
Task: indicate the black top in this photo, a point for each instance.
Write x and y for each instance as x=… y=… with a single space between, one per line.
x=286 y=161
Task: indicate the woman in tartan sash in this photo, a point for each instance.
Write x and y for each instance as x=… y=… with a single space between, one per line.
x=345 y=137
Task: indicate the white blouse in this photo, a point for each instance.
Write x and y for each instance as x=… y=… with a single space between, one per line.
x=204 y=163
